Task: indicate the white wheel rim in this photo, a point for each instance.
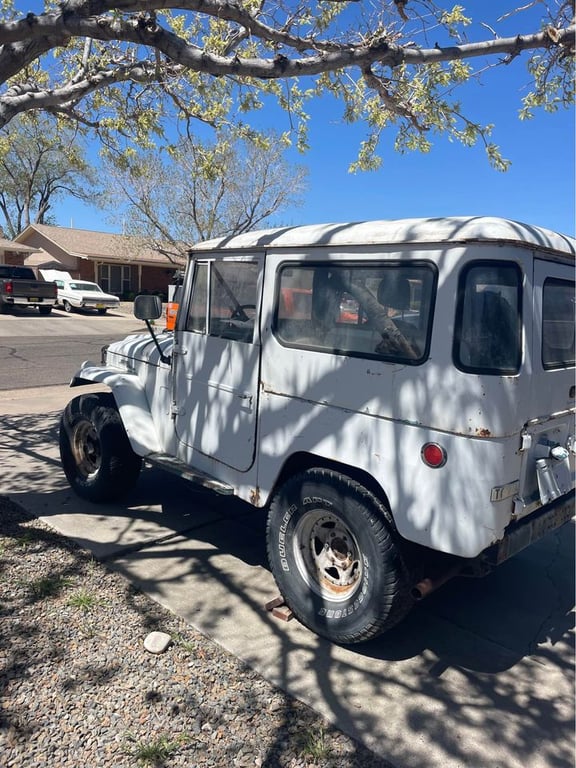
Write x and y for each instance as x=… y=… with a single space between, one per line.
x=327 y=555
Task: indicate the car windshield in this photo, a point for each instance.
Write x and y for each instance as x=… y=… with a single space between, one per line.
x=85 y=287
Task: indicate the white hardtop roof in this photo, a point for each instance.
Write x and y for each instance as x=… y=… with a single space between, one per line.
x=455 y=229
x=56 y=274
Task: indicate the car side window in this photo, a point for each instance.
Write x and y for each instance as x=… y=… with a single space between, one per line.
x=382 y=312
x=224 y=298
x=197 y=314
x=488 y=328
x=233 y=297
x=558 y=328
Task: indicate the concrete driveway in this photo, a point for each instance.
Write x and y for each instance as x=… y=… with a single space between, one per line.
x=480 y=675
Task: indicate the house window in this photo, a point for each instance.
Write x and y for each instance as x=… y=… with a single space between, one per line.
x=114 y=278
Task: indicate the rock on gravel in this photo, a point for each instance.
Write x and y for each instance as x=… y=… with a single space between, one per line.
x=157 y=642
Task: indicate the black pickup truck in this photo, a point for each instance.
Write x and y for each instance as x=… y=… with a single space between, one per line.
x=19 y=287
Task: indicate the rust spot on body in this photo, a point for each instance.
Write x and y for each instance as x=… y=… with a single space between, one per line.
x=483 y=433
x=255 y=496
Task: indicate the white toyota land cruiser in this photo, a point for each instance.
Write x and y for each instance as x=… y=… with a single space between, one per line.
x=398 y=395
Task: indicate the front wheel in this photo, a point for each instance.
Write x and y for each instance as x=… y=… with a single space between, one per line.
x=96 y=455
x=67 y=306
x=336 y=557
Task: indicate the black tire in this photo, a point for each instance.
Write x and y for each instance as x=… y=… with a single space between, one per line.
x=67 y=306
x=44 y=310
x=96 y=455
x=3 y=308
x=351 y=589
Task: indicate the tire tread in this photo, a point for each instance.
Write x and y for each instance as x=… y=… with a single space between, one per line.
x=395 y=599
x=120 y=465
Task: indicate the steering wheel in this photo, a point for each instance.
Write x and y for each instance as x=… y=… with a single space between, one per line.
x=240 y=312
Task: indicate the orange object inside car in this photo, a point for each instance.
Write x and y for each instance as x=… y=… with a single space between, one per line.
x=171 y=312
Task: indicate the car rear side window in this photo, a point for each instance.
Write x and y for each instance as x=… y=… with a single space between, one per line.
x=381 y=312
x=558 y=327
x=488 y=328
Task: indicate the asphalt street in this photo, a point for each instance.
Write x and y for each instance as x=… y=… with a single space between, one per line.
x=42 y=351
x=481 y=675
x=38 y=361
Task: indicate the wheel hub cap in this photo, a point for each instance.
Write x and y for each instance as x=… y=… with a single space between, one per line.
x=327 y=555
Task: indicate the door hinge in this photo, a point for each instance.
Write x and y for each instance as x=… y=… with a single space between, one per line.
x=176 y=410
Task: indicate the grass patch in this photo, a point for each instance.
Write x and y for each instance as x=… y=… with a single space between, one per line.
x=21 y=541
x=49 y=586
x=84 y=600
x=315 y=744
x=155 y=752
x=187 y=645
x=25 y=539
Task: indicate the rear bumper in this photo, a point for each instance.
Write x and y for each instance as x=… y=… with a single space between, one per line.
x=530 y=529
x=20 y=301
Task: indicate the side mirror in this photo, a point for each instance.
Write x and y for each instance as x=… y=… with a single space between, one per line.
x=147 y=307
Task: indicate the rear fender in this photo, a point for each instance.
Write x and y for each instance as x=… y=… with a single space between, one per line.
x=132 y=405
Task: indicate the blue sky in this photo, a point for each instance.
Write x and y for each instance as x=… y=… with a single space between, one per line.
x=451 y=179
x=539 y=188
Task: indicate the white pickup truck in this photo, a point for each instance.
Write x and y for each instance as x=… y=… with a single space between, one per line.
x=397 y=395
x=80 y=294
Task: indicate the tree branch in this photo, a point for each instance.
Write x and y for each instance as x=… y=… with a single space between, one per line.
x=229 y=41
x=329 y=57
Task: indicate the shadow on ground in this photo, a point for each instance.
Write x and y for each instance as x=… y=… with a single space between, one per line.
x=480 y=673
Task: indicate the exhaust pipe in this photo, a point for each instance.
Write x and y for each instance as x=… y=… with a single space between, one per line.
x=430 y=584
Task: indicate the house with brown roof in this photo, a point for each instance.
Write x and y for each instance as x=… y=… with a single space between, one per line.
x=121 y=264
x=13 y=253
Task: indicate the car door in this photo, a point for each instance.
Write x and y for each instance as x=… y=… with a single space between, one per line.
x=553 y=338
x=548 y=460
x=216 y=363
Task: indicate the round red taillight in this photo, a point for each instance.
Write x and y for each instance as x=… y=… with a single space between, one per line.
x=433 y=455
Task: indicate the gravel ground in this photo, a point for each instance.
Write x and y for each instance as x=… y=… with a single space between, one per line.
x=78 y=688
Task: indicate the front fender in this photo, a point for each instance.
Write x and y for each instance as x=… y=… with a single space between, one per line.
x=131 y=401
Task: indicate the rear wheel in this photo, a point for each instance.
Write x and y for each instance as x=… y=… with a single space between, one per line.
x=67 y=306
x=336 y=557
x=44 y=310
x=96 y=455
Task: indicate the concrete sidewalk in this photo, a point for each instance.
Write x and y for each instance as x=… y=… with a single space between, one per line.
x=481 y=674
